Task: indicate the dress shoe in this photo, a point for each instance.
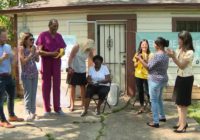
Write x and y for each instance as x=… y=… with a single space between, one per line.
x=155 y=125
x=181 y=131
x=163 y=120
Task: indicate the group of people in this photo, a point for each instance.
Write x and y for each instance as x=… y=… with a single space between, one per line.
x=50 y=48
x=151 y=77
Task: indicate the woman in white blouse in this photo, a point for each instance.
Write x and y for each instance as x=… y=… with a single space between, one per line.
x=183 y=58
x=98 y=83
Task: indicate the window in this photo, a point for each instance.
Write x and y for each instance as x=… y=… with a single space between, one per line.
x=189 y=24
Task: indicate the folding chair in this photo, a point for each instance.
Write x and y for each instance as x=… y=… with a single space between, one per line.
x=95 y=98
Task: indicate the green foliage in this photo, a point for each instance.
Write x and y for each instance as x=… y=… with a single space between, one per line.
x=194 y=111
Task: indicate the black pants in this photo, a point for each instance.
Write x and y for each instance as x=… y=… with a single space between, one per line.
x=142 y=88
x=100 y=90
x=7 y=85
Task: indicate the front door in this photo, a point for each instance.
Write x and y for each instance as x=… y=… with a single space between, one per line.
x=112 y=47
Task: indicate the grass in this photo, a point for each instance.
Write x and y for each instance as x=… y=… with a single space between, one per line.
x=16 y=101
x=194 y=111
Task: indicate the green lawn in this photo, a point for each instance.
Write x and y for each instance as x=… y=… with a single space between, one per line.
x=194 y=111
x=16 y=100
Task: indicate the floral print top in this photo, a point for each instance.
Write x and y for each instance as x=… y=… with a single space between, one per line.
x=29 y=70
x=157 y=67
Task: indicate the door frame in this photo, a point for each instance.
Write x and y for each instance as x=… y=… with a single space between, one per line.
x=131 y=27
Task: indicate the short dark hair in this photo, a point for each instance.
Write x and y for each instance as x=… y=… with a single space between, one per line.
x=98 y=57
x=162 y=42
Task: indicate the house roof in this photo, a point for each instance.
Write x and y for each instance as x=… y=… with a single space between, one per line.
x=58 y=3
x=46 y=5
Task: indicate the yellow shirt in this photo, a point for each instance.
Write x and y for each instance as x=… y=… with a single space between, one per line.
x=140 y=70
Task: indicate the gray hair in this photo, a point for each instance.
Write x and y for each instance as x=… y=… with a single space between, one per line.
x=52 y=21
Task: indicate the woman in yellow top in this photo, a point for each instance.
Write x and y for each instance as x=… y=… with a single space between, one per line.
x=141 y=72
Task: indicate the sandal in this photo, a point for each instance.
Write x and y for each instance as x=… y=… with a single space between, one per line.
x=140 y=111
x=71 y=109
x=155 y=125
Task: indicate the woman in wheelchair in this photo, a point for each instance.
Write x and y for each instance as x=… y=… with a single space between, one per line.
x=98 y=83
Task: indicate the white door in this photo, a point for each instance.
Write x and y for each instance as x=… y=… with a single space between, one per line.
x=111 y=46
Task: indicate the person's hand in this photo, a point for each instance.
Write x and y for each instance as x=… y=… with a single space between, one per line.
x=69 y=70
x=170 y=53
x=55 y=53
x=61 y=53
x=138 y=57
x=3 y=57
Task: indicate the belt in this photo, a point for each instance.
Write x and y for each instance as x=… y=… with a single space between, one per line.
x=5 y=74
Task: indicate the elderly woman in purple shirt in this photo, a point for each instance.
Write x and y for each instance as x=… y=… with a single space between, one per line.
x=157 y=80
x=49 y=44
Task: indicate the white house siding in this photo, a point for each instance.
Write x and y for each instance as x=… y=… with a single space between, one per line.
x=39 y=23
x=162 y=22
x=146 y=22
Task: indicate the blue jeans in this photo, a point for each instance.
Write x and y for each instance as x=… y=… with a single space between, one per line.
x=30 y=89
x=7 y=85
x=155 y=91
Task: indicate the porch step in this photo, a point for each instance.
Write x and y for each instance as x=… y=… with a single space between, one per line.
x=169 y=90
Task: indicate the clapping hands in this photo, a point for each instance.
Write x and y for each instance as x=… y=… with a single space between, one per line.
x=170 y=53
x=3 y=57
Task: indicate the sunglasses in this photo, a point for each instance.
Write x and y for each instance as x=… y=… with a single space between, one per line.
x=31 y=39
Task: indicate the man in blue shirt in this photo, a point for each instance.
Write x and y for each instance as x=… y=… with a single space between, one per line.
x=7 y=84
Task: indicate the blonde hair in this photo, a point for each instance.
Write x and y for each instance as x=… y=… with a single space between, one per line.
x=87 y=44
x=23 y=37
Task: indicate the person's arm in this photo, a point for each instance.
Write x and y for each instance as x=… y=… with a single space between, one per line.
x=91 y=54
x=36 y=54
x=72 y=55
x=144 y=63
x=186 y=60
x=106 y=80
x=89 y=79
x=135 y=60
x=45 y=53
x=24 y=59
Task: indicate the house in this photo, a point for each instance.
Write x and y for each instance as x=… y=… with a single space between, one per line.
x=115 y=25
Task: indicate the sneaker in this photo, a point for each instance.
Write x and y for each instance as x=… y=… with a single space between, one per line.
x=47 y=114
x=28 y=118
x=6 y=124
x=60 y=113
x=15 y=119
